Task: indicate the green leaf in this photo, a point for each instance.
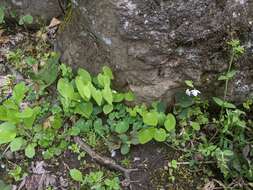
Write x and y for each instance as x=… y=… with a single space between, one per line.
x=146 y=135
x=228 y=153
x=189 y=83
x=195 y=126
x=228 y=75
x=76 y=175
x=7 y=132
x=170 y=122
x=129 y=96
x=160 y=135
x=223 y=77
x=150 y=118
x=107 y=94
x=30 y=150
x=4 y=186
x=31 y=61
x=19 y=92
x=173 y=164
x=27 y=113
x=118 y=97
x=16 y=144
x=85 y=75
x=122 y=127
x=161 y=118
x=113 y=184
x=223 y=103
x=74 y=131
x=28 y=122
x=2 y=9
x=83 y=88
x=96 y=95
x=183 y=100
x=65 y=89
x=108 y=72
x=48 y=74
x=26 y=19
x=107 y=108
x=84 y=109
x=124 y=149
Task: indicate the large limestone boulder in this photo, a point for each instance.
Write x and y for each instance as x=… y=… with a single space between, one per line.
x=154 y=45
x=42 y=10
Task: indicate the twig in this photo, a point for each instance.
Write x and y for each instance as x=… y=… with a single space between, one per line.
x=198 y=163
x=106 y=161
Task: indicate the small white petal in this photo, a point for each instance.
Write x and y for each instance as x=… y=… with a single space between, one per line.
x=195 y=92
x=188 y=92
x=113 y=153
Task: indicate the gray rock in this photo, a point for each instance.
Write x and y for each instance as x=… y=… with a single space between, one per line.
x=42 y=10
x=154 y=45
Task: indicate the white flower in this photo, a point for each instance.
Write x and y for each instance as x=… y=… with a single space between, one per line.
x=113 y=153
x=188 y=92
x=195 y=92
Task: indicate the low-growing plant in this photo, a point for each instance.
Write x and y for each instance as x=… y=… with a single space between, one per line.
x=95 y=180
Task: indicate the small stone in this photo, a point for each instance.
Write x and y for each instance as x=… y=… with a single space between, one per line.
x=137 y=159
x=9 y=155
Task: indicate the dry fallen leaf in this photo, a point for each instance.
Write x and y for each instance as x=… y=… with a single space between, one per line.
x=54 y=22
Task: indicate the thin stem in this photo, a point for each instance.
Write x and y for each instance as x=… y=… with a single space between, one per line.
x=226 y=84
x=229 y=68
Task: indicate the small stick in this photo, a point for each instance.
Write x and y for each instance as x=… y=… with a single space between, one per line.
x=106 y=161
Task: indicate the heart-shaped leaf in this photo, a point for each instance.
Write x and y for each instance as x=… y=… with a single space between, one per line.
x=66 y=89
x=97 y=95
x=122 y=127
x=85 y=75
x=129 y=96
x=83 y=88
x=146 y=135
x=150 y=118
x=107 y=95
x=84 y=109
x=107 y=71
x=107 y=108
x=170 y=122
x=118 y=97
x=160 y=135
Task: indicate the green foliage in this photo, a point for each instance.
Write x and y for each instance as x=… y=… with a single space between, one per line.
x=17 y=173
x=16 y=144
x=25 y=20
x=30 y=150
x=222 y=138
x=88 y=107
x=2 y=13
x=3 y=186
x=76 y=175
x=95 y=180
x=8 y=132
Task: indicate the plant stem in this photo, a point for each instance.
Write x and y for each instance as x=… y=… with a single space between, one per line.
x=226 y=84
x=229 y=68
